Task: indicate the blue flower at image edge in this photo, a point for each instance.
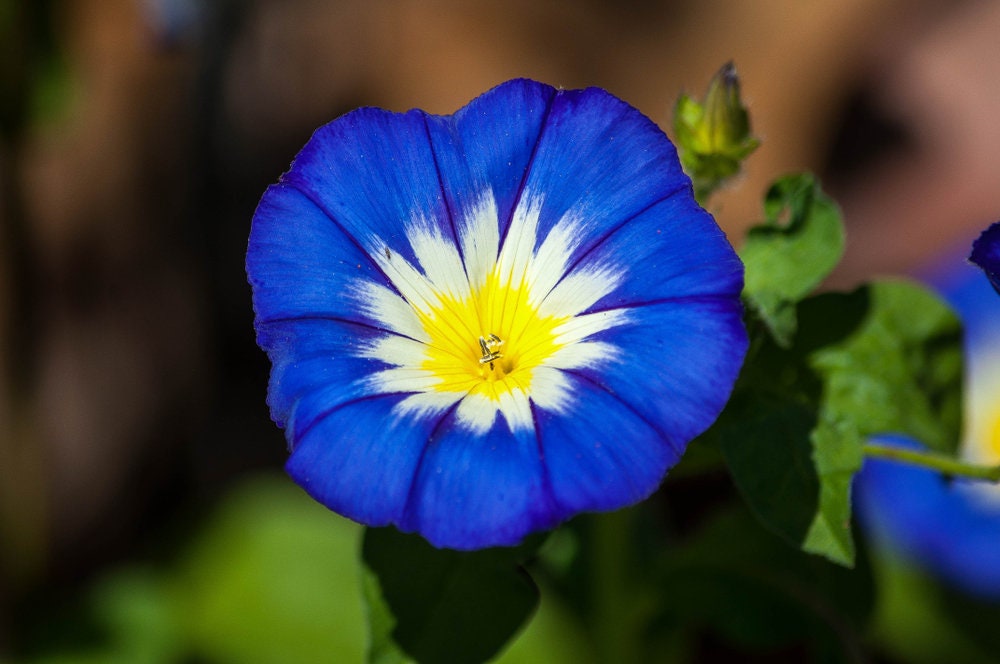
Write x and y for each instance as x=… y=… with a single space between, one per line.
x=951 y=528
x=942 y=525
x=986 y=254
x=482 y=324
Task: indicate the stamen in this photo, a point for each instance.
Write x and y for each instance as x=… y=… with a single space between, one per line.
x=491 y=349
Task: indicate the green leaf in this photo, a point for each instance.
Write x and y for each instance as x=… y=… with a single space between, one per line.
x=788 y=255
x=900 y=371
x=766 y=440
x=884 y=358
x=794 y=470
x=447 y=606
x=381 y=647
x=791 y=461
x=837 y=455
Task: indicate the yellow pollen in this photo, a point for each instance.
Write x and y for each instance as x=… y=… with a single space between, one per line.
x=489 y=342
x=995 y=437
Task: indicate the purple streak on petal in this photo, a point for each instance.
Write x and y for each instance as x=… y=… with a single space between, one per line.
x=479 y=490
x=500 y=132
x=603 y=161
x=604 y=462
x=449 y=213
x=675 y=250
x=372 y=171
x=413 y=496
x=603 y=237
x=677 y=362
x=312 y=355
x=593 y=380
x=300 y=261
x=359 y=459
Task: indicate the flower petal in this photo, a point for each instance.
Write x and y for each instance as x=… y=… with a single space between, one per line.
x=305 y=268
x=986 y=254
x=675 y=251
x=311 y=355
x=359 y=459
x=676 y=364
x=488 y=145
x=479 y=491
x=599 y=452
x=941 y=524
x=599 y=163
x=371 y=171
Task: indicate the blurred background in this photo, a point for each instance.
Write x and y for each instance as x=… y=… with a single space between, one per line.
x=140 y=476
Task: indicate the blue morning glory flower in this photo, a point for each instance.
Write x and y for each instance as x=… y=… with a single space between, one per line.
x=950 y=527
x=986 y=254
x=482 y=324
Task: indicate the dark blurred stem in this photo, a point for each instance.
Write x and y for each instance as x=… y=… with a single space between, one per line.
x=25 y=41
x=23 y=503
x=614 y=626
x=21 y=278
x=944 y=464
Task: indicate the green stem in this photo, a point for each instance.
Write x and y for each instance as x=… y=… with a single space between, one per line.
x=612 y=627
x=704 y=188
x=945 y=464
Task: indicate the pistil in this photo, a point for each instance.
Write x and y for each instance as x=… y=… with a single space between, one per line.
x=490 y=345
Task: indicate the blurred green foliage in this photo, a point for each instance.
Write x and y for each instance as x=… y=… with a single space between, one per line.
x=271 y=577
x=34 y=80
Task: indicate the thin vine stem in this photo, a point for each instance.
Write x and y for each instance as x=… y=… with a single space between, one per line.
x=940 y=462
x=614 y=629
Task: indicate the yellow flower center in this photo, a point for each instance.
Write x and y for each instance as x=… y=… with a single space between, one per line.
x=994 y=436
x=489 y=342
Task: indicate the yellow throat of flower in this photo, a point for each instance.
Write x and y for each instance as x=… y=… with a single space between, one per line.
x=489 y=342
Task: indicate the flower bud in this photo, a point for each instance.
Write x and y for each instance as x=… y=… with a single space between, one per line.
x=713 y=137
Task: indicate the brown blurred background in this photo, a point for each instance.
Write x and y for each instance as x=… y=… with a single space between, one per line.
x=139 y=135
